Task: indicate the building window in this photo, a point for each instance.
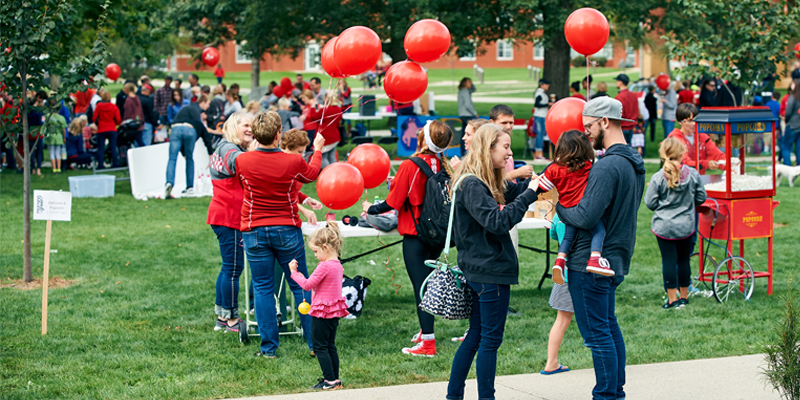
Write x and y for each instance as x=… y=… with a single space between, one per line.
x=241 y=58
x=471 y=55
x=538 y=52
x=505 y=50
x=630 y=54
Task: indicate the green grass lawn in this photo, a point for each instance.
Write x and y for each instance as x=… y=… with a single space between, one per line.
x=138 y=321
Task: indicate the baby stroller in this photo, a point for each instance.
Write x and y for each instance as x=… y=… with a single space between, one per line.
x=126 y=135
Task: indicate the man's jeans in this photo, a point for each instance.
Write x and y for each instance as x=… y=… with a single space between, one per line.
x=145 y=136
x=668 y=126
x=541 y=132
x=263 y=245
x=181 y=141
x=628 y=135
x=486 y=326
x=594 y=300
x=230 y=248
x=790 y=139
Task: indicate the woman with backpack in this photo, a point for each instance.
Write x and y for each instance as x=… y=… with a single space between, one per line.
x=407 y=195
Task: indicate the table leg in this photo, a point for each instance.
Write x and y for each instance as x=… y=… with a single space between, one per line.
x=547 y=259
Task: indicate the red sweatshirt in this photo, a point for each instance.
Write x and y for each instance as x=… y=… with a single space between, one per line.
x=330 y=126
x=708 y=150
x=570 y=185
x=82 y=100
x=268 y=178
x=630 y=108
x=409 y=184
x=106 y=115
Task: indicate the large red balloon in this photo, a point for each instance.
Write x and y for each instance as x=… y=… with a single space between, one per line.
x=339 y=186
x=586 y=30
x=357 y=50
x=373 y=162
x=113 y=71
x=405 y=82
x=797 y=50
x=210 y=56
x=327 y=59
x=278 y=91
x=662 y=81
x=426 y=41
x=566 y=114
x=286 y=84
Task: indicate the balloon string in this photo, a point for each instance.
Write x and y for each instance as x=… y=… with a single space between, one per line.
x=388 y=258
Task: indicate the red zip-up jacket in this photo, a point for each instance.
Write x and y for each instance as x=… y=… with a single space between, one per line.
x=708 y=150
x=268 y=178
x=106 y=115
x=329 y=127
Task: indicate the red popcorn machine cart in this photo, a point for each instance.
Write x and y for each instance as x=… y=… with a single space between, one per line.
x=739 y=205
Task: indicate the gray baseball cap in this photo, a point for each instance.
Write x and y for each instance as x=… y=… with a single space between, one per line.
x=604 y=107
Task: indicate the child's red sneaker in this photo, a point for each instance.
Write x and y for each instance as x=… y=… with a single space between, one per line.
x=426 y=348
x=417 y=338
x=558 y=271
x=599 y=265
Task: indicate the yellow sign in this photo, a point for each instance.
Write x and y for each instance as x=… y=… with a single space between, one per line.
x=752 y=219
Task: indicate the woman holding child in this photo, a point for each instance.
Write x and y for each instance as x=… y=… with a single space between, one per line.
x=270 y=223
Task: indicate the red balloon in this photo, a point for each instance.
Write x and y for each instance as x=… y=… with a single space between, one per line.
x=210 y=56
x=328 y=61
x=113 y=71
x=339 y=186
x=405 y=82
x=286 y=84
x=586 y=30
x=797 y=50
x=357 y=50
x=563 y=116
x=278 y=91
x=427 y=40
x=662 y=81
x=373 y=162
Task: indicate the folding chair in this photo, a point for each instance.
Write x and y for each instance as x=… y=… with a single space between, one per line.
x=389 y=141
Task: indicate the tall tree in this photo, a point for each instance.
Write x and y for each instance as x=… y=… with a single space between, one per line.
x=34 y=31
x=739 y=41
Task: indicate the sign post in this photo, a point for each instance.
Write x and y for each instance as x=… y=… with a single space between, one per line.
x=50 y=206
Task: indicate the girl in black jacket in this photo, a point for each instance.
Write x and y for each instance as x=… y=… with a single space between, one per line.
x=486 y=208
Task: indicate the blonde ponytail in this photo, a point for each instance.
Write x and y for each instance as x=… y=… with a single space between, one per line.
x=671 y=152
x=327 y=236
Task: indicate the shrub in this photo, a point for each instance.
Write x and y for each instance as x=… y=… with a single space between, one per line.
x=579 y=61
x=783 y=355
x=601 y=61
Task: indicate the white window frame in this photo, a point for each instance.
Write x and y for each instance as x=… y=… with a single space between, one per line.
x=538 y=48
x=502 y=43
x=312 y=54
x=241 y=59
x=630 y=56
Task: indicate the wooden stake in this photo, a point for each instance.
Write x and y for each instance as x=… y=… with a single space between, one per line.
x=46 y=278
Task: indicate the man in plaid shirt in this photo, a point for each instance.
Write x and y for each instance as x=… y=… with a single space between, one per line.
x=163 y=97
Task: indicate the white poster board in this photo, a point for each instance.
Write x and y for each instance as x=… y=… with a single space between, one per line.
x=50 y=205
x=148 y=170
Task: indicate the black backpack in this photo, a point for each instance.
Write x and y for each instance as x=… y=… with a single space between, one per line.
x=434 y=216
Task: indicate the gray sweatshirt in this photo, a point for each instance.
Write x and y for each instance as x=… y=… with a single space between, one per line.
x=673 y=209
x=792 y=118
x=670 y=105
x=465 y=106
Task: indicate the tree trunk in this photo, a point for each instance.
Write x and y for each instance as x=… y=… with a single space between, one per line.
x=556 y=65
x=395 y=50
x=27 y=271
x=255 y=71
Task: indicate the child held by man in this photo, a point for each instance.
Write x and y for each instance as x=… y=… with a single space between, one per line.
x=327 y=302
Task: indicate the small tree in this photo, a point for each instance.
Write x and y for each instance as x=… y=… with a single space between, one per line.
x=740 y=41
x=34 y=32
x=783 y=356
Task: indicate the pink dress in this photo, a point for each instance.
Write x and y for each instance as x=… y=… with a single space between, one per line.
x=325 y=283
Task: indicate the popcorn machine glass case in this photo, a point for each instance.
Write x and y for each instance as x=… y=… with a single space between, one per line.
x=733 y=129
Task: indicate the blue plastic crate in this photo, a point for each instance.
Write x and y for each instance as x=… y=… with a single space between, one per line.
x=92 y=185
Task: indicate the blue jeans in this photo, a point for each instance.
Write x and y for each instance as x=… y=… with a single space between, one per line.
x=790 y=138
x=541 y=132
x=230 y=248
x=628 y=133
x=598 y=236
x=594 y=300
x=263 y=245
x=101 y=148
x=668 y=126
x=181 y=140
x=145 y=136
x=485 y=335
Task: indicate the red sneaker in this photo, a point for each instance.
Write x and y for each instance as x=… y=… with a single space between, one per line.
x=417 y=338
x=558 y=271
x=599 y=265
x=427 y=348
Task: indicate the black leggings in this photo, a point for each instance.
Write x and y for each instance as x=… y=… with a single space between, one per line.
x=323 y=340
x=415 y=253
x=676 y=252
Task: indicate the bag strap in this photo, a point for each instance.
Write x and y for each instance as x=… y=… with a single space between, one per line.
x=423 y=166
x=452 y=211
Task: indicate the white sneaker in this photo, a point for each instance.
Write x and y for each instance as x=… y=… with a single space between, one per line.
x=168 y=191
x=461 y=338
x=188 y=191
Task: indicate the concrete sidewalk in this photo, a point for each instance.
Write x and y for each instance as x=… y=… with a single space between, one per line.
x=729 y=378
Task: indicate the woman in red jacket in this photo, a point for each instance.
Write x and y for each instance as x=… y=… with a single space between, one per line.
x=330 y=118
x=710 y=155
x=409 y=186
x=106 y=116
x=270 y=223
x=310 y=125
x=225 y=218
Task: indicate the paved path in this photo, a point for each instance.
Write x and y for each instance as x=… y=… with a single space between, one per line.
x=729 y=378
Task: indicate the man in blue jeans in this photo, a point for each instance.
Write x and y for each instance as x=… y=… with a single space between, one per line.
x=186 y=127
x=613 y=194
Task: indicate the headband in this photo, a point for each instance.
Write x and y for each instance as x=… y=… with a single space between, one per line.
x=432 y=147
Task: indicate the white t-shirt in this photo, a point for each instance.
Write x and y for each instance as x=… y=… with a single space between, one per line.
x=542 y=97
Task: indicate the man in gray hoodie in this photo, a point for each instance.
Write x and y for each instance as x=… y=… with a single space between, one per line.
x=613 y=193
